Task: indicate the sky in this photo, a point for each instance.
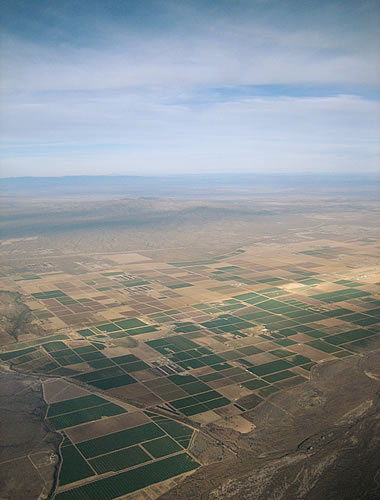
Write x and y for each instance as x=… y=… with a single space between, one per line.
x=157 y=87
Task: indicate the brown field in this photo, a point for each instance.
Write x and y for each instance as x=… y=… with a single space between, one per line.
x=102 y=427
x=60 y=390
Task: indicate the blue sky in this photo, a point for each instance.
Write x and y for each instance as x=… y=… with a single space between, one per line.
x=161 y=86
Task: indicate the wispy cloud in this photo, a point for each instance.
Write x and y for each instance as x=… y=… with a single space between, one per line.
x=186 y=94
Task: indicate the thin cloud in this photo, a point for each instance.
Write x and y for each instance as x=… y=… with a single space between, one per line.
x=181 y=91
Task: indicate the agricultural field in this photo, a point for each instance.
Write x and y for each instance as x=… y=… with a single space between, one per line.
x=147 y=448
x=139 y=359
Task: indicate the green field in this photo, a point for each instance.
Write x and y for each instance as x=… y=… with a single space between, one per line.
x=190 y=364
x=54 y=346
x=194 y=410
x=182 y=403
x=135 y=366
x=85 y=349
x=212 y=359
x=254 y=384
x=119 y=440
x=112 y=382
x=92 y=356
x=207 y=396
x=176 y=430
x=179 y=285
x=182 y=379
x=75 y=404
x=74 y=467
x=86 y=332
x=161 y=447
x=109 y=327
x=100 y=363
x=86 y=415
x=340 y=295
x=271 y=367
x=66 y=357
x=217 y=403
x=125 y=324
x=322 y=346
x=129 y=481
x=7 y=356
x=119 y=460
x=172 y=345
x=99 y=374
x=342 y=338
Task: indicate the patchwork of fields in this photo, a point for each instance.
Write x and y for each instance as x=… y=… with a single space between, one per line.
x=116 y=463
x=138 y=356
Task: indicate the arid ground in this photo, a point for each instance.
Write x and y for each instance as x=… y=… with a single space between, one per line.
x=208 y=341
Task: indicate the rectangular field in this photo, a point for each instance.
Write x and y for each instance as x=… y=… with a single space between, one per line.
x=119 y=440
x=119 y=460
x=86 y=415
x=75 y=404
x=74 y=467
x=129 y=481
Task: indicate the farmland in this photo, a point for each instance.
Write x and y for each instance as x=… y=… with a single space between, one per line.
x=145 y=360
